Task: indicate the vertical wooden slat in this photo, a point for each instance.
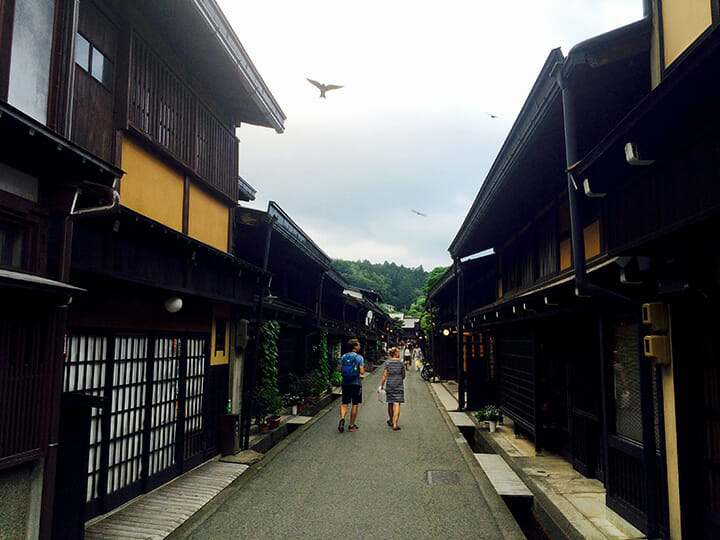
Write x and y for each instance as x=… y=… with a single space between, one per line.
x=174 y=117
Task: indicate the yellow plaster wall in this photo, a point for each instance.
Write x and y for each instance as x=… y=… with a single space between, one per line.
x=220 y=312
x=671 y=447
x=565 y=255
x=208 y=219
x=150 y=187
x=218 y=358
x=683 y=22
x=591 y=233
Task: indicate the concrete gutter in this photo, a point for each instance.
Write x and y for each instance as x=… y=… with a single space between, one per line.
x=504 y=520
x=559 y=517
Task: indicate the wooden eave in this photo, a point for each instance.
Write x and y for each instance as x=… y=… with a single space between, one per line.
x=442 y=282
x=682 y=101
x=21 y=282
x=202 y=37
x=609 y=73
x=245 y=191
x=181 y=252
x=545 y=95
x=31 y=147
x=250 y=240
x=188 y=240
x=527 y=302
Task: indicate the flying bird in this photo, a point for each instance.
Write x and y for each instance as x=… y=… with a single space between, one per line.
x=418 y=213
x=491 y=115
x=323 y=87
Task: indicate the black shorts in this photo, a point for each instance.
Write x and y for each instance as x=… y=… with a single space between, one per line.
x=351 y=393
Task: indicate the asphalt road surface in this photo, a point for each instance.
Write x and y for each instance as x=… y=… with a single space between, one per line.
x=372 y=483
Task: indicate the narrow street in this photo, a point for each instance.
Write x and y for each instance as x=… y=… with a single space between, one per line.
x=372 y=483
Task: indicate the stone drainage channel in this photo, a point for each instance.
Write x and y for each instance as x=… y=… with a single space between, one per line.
x=521 y=507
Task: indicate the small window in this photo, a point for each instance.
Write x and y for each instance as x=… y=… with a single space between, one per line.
x=93 y=61
x=220 y=333
x=101 y=68
x=12 y=245
x=82 y=52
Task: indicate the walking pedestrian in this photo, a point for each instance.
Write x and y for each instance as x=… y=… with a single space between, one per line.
x=417 y=356
x=351 y=367
x=407 y=354
x=392 y=382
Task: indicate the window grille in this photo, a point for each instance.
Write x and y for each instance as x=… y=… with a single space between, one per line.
x=151 y=382
x=165 y=109
x=85 y=371
x=164 y=411
x=25 y=384
x=127 y=412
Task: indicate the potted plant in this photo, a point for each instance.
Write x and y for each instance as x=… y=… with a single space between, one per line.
x=261 y=409
x=291 y=401
x=276 y=407
x=300 y=387
x=490 y=414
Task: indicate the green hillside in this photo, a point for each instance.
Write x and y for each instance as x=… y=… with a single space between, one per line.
x=399 y=285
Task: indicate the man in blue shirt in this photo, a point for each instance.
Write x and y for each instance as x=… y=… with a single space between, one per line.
x=352 y=366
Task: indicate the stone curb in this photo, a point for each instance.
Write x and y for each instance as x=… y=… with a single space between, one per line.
x=504 y=519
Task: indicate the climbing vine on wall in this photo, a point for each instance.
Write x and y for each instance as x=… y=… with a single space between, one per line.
x=320 y=375
x=267 y=394
x=267 y=368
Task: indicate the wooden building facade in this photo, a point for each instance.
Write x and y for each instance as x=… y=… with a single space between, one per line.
x=596 y=312
x=305 y=294
x=119 y=180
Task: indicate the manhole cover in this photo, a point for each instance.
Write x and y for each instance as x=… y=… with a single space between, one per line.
x=448 y=478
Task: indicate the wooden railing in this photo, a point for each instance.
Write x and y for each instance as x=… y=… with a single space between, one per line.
x=165 y=109
x=586 y=445
x=26 y=371
x=517 y=384
x=626 y=489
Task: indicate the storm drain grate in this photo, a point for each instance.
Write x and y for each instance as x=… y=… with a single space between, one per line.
x=448 y=478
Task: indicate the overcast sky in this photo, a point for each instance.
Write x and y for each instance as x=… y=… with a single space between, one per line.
x=411 y=128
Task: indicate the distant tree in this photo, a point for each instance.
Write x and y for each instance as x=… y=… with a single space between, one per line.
x=435 y=274
x=418 y=308
x=399 y=285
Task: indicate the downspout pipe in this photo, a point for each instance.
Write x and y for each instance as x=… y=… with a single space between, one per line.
x=74 y=214
x=320 y=297
x=459 y=322
x=249 y=395
x=583 y=288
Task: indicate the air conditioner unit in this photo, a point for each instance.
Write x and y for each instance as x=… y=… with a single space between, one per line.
x=657 y=348
x=655 y=315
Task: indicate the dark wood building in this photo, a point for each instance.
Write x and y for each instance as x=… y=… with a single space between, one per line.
x=305 y=294
x=596 y=304
x=124 y=386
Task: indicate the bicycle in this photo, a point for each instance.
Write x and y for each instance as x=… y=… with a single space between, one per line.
x=427 y=372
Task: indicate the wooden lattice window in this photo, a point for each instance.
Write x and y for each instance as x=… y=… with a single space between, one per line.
x=167 y=111
x=26 y=370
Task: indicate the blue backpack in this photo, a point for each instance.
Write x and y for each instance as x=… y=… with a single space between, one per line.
x=349 y=369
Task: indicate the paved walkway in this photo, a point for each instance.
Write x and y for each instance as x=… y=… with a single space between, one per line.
x=419 y=482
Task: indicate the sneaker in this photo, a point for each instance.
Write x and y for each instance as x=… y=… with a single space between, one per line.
x=341 y=425
x=353 y=427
